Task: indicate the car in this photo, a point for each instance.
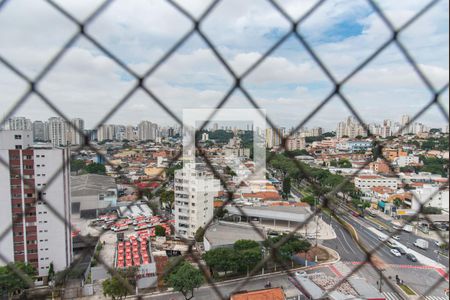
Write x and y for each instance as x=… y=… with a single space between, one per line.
x=438 y=243
x=411 y=257
x=381 y=238
x=401 y=250
x=396 y=237
x=395 y=252
x=301 y=274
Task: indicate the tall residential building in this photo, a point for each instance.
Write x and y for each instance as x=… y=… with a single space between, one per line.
x=147 y=131
x=195 y=189
x=106 y=132
x=37 y=236
x=405 y=121
x=57 y=129
x=295 y=143
x=350 y=128
x=130 y=133
x=75 y=134
x=274 y=138
x=18 y=123
x=40 y=131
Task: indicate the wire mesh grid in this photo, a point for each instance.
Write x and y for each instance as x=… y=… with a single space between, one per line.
x=330 y=200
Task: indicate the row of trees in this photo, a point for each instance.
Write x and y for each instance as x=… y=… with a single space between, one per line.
x=79 y=166
x=246 y=254
x=433 y=165
x=325 y=179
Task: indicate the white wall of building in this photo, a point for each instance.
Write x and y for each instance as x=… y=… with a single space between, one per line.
x=194 y=199
x=6 y=244
x=10 y=139
x=432 y=194
x=54 y=235
x=368 y=182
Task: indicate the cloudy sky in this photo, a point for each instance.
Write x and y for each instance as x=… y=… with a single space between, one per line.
x=288 y=84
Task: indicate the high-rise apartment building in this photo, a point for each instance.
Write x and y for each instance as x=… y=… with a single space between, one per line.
x=295 y=142
x=75 y=132
x=40 y=131
x=38 y=236
x=106 y=132
x=405 y=121
x=57 y=129
x=147 y=131
x=195 y=189
x=274 y=138
x=350 y=128
x=18 y=123
x=131 y=133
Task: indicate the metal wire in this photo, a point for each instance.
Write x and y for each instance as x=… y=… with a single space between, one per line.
x=331 y=199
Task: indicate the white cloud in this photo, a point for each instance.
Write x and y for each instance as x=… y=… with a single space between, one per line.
x=289 y=84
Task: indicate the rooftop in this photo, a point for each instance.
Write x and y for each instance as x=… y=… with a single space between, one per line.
x=284 y=213
x=270 y=294
x=91 y=184
x=223 y=234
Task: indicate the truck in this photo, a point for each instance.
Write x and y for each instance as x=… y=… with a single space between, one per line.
x=422 y=244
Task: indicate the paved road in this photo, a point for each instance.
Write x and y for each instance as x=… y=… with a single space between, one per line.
x=408 y=239
x=226 y=289
x=417 y=276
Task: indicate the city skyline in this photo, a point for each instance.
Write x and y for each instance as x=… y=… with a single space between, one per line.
x=215 y=125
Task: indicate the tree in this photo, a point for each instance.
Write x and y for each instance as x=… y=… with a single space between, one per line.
x=291 y=247
x=398 y=202
x=245 y=245
x=95 y=168
x=344 y=163
x=51 y=272
x=220 y=212
x=200 y=234
x=248 y=254
x=221 y=260
x=116 y=287
x=11 y=282
x=287 y=187
x=185 y=279
x=309 y=199
x=160 y=231
x=76 y=165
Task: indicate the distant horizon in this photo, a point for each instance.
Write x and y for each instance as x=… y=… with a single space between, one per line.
x=234 y=124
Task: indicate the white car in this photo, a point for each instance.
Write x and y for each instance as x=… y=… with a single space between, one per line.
x=438 y=243
x=301 y=274
x=396 y=237
x=396 y=252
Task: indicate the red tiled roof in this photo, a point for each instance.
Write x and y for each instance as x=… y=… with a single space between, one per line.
x=271 y=294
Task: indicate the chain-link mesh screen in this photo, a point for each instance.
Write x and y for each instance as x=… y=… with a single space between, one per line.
x=331 y=201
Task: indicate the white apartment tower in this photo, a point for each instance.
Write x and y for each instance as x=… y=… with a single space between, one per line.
x=106 y=132
x=37 y=236
x=74 y=134
x=18 y=123
x=195 y=189
x=40 y=131
x=57 y=129
x=147 y=131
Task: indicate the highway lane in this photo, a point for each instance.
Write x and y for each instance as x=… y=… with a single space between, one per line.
x=372 y=242
x=408 y=239
x=344 y=244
